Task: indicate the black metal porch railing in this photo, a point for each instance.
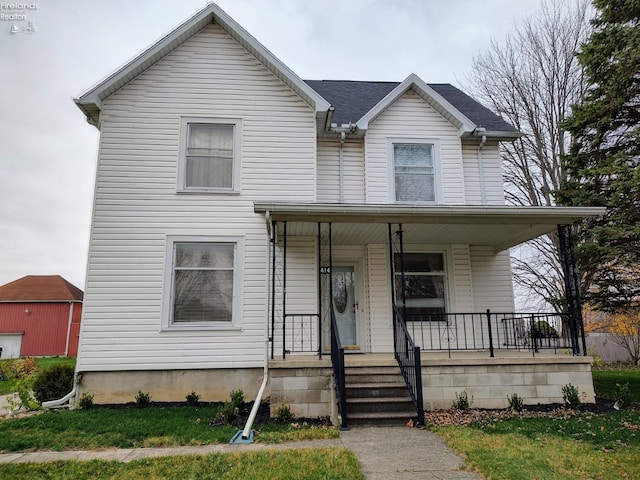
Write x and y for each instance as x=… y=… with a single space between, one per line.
x=337 y=361
x=491 y=331
x=300 y=333
x=408 y=357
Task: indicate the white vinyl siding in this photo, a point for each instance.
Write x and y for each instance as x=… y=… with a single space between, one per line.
x=462 y=279
x=493 y=181
x=329 y=171
x=412 y=118
x=379 y=298
x=492 y=284
x=136 y=204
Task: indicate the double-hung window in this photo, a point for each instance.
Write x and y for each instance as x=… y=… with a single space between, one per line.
x=413 y=166
x=209 y=155
x=424 y=285
x=203 y=282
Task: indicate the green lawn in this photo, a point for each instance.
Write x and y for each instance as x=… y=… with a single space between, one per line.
x=43 y=363
x=136 y=427
x=605 y=446
x=310 y=464
x=604 y=382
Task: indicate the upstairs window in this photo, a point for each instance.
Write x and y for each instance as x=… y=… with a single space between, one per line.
x=209 y=155
x=414 y=172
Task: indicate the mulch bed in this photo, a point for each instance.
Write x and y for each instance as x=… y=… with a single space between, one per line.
x=481 y=416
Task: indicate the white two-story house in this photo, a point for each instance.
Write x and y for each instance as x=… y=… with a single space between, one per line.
x=241 y=211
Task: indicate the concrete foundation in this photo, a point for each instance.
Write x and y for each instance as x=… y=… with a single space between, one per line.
x=490 y=381
x=213 y=385
x=305 y=386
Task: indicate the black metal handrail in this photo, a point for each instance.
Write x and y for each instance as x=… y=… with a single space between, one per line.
x=490 y=331
x=337 y=361
x=408 y=357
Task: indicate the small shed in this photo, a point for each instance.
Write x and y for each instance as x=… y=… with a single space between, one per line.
x=40 y=316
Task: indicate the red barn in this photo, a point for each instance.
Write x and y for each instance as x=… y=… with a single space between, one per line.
x=39 y=315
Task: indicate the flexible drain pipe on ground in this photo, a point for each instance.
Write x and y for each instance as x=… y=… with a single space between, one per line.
x=60 y=401
x=246 y=435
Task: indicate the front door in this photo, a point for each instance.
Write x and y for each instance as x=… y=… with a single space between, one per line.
x=345 y=305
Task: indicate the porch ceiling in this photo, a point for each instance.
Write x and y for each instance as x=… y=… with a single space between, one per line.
x=500 y=227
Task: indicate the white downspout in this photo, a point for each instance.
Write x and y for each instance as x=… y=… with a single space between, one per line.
x=72 y=393
x=483 y=141
x=60 y=401
x=66 y=347
x=341 y=167
x=256 y=405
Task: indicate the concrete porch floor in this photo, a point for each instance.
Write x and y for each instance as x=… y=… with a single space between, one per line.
x=468 y=357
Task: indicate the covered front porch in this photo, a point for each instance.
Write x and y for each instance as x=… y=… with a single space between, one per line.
x=409 y=283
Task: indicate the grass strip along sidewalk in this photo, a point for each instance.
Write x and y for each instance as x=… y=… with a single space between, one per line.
x=307 y=463
x=562 y=444
x=100 y=428
x=571 y=446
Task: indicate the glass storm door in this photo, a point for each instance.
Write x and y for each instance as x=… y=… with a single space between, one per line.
x=345 y=305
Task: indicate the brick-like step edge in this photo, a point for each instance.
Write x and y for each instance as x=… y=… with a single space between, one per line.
x=386 y=418
x=376 y=385
x=379 y=399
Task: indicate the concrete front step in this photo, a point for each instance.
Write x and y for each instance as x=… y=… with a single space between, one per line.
x=380 y=405
x=377 y=395
x=376 y=389
x=380 y=377
x=380 y=418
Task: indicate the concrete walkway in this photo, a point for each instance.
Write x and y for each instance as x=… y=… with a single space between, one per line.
x=385 y=453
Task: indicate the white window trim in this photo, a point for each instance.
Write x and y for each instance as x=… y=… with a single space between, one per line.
x=237 y=154
x=445 y=250
x=391 y=177
x=238 y=283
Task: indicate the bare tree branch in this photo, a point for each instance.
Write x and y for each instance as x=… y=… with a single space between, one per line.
x=532 y=79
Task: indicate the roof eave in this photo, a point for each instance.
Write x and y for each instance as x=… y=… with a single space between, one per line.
x=355 y=213
x=90 y=101
x=505 y=135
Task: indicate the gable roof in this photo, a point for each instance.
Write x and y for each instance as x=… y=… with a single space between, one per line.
x=354 y=100
x=90 y=102
x=342 y=102
x=40 y=288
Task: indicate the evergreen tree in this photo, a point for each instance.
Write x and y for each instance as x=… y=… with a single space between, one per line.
x=604 y=163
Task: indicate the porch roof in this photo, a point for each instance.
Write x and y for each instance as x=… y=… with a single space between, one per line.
x=500 y=226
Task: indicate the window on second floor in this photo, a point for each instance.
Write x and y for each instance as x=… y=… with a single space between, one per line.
x=414 y=172
x=209 y=155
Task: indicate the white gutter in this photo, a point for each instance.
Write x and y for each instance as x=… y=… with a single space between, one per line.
x=483 y=141
x=256 y=405
x=341 y=167
x=66 y=347
x=60 y=401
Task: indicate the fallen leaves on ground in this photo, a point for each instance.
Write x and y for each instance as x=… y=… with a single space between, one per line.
x=441 y=418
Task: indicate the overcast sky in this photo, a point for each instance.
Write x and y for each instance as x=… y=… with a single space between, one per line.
x=48 y=152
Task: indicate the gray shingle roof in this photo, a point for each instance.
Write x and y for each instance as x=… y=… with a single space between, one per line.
x=352 y=99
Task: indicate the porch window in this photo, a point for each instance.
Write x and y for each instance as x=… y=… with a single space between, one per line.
x=425 y=280
x=204 y=283
x=414 y=172
x=209 y=155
